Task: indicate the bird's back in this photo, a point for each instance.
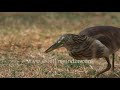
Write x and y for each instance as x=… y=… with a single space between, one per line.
x=108 y=35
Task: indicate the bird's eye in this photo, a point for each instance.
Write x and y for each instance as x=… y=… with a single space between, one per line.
x=58 y=41
x=62 y=38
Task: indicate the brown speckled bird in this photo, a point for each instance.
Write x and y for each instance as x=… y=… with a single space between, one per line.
x=93 y=42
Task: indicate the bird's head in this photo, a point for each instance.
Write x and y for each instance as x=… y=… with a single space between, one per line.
x=65 y=41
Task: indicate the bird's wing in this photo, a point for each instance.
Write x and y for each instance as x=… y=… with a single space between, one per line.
x=104 y=40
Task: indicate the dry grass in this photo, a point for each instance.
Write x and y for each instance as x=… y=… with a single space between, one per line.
x=25 y=36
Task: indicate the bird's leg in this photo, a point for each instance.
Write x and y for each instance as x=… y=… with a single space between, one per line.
x=113 y=61
x=106 y=69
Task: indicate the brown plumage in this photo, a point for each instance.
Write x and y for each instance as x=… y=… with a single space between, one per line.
x=93 y=42
x=108 y=35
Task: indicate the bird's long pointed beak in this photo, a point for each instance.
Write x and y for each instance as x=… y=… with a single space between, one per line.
x=54 y=46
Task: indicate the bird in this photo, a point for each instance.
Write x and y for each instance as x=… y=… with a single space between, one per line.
x=92 y=42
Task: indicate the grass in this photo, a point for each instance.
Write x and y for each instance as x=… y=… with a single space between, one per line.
x=25 y=36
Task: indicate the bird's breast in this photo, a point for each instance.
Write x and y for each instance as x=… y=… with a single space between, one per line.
x=80 y=56
x=95 y=50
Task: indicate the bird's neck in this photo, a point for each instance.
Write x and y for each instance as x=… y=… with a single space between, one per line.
x=80 y=46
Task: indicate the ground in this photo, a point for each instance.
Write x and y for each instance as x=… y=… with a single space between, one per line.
x=25 y=36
